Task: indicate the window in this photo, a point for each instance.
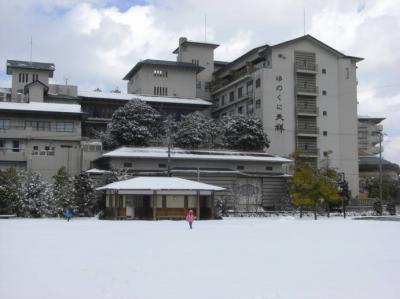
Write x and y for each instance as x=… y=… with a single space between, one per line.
x=66 y=146
x=324 y=92
x=326 y=154
x=223 y=100
x=216 y=101
x=268 y=168
x=240 y=109
x=240 y=167
x=4 y=124
x=240 y=92
x=324 y=113
x=195 y=61
x=207 y=86
x=15 y=146
x=347 y=73
x=127 y=164
x=47 y=148
x=250 y=87
x=160 y=91
x=325 y=133
x=38 y=125
x=249 y=108
x=258 y=82
x=258 y=104
x=1 y=143
x=162 y=165
x=198 y=84
x=19 y=77
x=35 y=148
x=231 y=96
x=160 y=73
x=324 y=71
x=65 y=126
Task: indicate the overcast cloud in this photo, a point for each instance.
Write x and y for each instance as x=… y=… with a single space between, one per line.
x=95 y=43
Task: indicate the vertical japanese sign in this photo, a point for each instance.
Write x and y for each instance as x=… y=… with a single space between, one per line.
x=279 y=119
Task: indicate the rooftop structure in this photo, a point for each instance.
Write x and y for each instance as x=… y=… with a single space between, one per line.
x=32 y=65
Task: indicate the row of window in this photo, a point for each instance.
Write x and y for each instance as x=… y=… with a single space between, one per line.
x=24 y=77
x=160 y=91
x=61 y=126
x=160 y=73
x=240 y=92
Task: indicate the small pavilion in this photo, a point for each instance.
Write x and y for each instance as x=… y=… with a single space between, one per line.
x=159 y=198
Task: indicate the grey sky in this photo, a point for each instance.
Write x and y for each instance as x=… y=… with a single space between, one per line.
x=95 y=43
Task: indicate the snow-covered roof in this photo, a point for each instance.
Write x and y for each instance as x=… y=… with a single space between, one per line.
x=41 y=107
x=144 y=98
x=97 y=171
x=176 y=153
x=160 y=183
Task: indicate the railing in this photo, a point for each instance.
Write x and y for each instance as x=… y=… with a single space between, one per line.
x=44 y=129
x=307 y=89
x=310 y=150
x=306 y=67
x=301 y=108
x=307 y=130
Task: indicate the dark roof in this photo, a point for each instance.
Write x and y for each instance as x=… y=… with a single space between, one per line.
x=219 y=62
x=308 y=37
x=188 y=42
x=372 y=160
x=371 y=118
x=368 y=163
x=161 y=63
x=30 y=65
x=321 y=44
x=34 y=83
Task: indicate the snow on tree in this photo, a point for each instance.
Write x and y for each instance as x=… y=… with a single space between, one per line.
x=195 y=130
x=61 y=189
x=243 y=133
x=35 y=198
x=9 y=187
x=136 y=123
x=83 y=194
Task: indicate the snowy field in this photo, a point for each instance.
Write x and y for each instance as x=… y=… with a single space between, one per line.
x=234 y=258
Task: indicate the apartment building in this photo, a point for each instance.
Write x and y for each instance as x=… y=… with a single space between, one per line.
x=370 y=131
x=305 y=92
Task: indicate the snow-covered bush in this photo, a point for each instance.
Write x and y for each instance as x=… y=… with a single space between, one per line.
x=61 y=189
x=195 y=130
x=9 y=188
x=83 y=194
x=136 y=123
x=378 y=207
x=35 y=196
x=243 y=133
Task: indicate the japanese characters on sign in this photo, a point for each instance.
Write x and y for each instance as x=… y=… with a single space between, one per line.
x=279 y=119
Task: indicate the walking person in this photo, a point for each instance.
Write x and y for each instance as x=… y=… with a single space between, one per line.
x=190 y=217
x=68 y=214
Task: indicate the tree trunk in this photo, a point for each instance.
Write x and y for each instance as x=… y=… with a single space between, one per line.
x=301 y=212
x=328 y=209
x=315 y=211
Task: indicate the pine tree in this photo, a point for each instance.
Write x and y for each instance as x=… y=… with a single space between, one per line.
x=243 y=133
x=61 y=188
x=35 y=198
x=83 y=195
x=195 y=130
x=136 y=123
x=9 y=188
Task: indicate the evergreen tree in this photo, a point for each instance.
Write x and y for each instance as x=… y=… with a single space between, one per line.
x=83 y=195
x=35 y=198
x=195 y=130
x=9 y=188
x=243 y=133
x=61 y=188
x=136 y=123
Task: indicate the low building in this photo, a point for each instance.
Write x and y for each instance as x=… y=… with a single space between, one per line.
x=159 y=198
x=252 y=180
x=41 y=137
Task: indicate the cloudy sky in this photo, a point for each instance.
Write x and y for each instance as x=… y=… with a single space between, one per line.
x=94 y=43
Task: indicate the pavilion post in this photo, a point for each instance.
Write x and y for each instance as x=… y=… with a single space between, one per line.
x=198 y=205
x=212 y=205
x=154 y=200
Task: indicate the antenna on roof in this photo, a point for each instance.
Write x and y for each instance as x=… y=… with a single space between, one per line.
x=304 y=21
x=205 y=28
x=31 y=52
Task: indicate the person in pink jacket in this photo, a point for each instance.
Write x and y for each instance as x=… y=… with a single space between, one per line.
x=190 y=217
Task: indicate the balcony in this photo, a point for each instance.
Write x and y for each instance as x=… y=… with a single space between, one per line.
x=307 y=90
x=309 y=68
x=306 y=109
x=307 y=130
x=9 y=154
x=305 y=150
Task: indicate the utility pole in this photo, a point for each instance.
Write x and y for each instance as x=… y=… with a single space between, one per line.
x=380 y=167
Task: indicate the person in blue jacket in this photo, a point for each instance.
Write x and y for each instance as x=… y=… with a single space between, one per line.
x=68 y=214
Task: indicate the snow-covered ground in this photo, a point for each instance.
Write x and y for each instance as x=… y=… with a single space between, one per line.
x=234 y=258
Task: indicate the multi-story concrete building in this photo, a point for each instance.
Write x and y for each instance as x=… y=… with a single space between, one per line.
x=369 y=133
x=305 y=92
